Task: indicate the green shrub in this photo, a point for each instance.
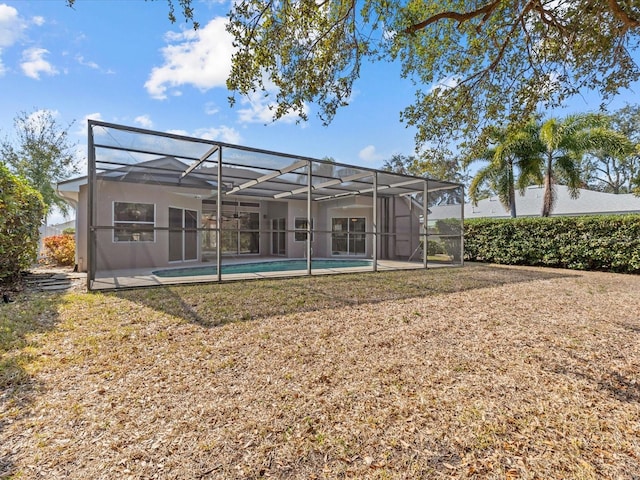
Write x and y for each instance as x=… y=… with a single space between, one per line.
x=21 y=214
x=61 y=249
x=598 y=242
x=450 y=229
x=69 y=231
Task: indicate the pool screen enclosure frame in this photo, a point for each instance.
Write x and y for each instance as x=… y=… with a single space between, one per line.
x=151 y=198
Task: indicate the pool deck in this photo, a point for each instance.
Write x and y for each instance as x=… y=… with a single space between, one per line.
x=145 y=278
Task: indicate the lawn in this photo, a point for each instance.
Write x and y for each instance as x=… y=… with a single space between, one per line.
x=480 y=372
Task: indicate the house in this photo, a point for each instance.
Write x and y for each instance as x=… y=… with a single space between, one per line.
x=588 y=202
x=154 y=201
x=529 y=204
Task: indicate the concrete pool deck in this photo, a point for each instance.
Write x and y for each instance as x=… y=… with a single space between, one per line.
x=136 y=278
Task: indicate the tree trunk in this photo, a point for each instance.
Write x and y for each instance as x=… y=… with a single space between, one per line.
x=549 y=197
x=512 y=192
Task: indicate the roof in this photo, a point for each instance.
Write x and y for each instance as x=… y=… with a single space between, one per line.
x=589 y=202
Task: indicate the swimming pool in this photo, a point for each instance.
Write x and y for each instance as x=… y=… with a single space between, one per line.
x=258 y=267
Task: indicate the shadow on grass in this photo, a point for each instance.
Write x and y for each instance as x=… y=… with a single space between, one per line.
x=623 y=388
x=30 y=313
x=217 y=304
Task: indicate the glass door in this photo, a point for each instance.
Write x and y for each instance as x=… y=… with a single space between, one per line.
x=278 y=236
x=348 y=236
x=240 y=232
x=183 y=234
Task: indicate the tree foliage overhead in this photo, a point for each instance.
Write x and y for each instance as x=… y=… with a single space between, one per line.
x=183 y=5
x=474 y=62
x=494 y=59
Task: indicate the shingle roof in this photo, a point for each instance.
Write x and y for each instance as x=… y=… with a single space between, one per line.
x=530 y=205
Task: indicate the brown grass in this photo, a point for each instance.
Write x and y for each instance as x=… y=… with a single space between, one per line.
x=481 y=372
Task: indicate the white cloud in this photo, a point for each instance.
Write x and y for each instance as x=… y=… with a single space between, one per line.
x=201 y=58
x=87 y=63
x=82 y=130
x=144 y=121
x=33 y=63
x=222 y=134
x=211 y=108
x=11 y=25
x=39 y=21
x=369 y=154
x=260 y=109
x=445 y=84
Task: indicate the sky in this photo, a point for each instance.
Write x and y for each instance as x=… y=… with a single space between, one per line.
x=124 y=62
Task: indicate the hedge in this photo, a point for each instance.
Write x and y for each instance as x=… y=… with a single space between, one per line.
x=21 y=213
x=600 y=242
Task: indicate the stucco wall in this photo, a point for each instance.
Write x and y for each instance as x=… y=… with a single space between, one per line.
x=112 y=255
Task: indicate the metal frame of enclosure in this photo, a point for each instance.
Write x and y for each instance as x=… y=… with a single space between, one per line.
x=158 y=205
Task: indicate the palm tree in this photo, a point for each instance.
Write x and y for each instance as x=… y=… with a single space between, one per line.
x=565 y=143
x=510 y=150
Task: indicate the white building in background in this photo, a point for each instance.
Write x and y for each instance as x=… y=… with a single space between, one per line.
x=589 y=202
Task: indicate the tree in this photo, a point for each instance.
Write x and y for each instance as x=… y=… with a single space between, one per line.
x=612 y=166
x=41 y=153
x=475 y=63
x=566 y=142
x=184 y=6
x=614 y=170
x=21 y=212
x=431 y=163
x=627 y=121
x=511 y=151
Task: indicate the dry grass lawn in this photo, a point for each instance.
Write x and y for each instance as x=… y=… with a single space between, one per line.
x=481 y=372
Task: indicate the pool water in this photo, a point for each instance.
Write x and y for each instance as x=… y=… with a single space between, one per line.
x=257 y=267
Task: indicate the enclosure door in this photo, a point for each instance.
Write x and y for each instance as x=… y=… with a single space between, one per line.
x=348 y=236
x=278 y=236
x=183 y=234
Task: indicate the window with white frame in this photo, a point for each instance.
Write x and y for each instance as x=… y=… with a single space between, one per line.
x=134 y=222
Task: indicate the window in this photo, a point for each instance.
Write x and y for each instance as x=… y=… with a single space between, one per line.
x=300 y=227
x=134 y=222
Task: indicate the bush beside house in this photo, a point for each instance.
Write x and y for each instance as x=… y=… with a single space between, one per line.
x=60 y=249
x=599 y=242
x=21 y=213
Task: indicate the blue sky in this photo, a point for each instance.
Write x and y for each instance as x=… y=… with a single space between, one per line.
x=124 y=62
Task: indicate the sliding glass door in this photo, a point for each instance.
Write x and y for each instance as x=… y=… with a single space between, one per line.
x=348 y=236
